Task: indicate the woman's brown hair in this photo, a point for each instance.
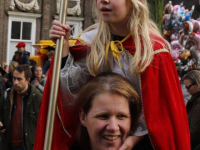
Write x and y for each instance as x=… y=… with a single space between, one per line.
x=111 y=83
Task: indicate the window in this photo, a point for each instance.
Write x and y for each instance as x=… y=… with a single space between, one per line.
x=21 y=28
x=75 y=27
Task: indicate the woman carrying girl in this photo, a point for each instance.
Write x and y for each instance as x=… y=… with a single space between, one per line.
x=125 y=41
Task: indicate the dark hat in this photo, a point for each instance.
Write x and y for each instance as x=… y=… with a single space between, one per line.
x=20 y=44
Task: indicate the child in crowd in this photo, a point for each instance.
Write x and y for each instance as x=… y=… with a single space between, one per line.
x=21 y=55
x=124 y=41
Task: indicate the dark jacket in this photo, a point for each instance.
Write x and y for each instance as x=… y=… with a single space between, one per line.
x=2 y=85
x=22 y=58
x=2 y=72
x=193 y=111
x=46 y=67
x=31 y=107
x=9 y=83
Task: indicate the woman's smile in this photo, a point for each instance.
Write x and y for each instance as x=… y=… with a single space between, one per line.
x=111 y=137
x=108 y=121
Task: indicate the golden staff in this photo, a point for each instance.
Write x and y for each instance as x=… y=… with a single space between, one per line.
x=55 y=80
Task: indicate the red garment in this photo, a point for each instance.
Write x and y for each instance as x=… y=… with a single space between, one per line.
x=162 y=98
x=60 y=141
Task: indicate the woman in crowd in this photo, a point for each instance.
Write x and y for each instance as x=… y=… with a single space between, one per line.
x=4 y=69
x=104 y=111
x=39 y=81
x=192 y=84
x=8 y=78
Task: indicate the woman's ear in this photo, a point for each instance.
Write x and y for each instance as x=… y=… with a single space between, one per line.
x=82 y=117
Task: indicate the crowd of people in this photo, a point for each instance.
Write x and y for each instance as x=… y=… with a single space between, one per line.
x=21 y=89
x=118 y=90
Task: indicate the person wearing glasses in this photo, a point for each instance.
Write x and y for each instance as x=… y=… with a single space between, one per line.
x=192 y=84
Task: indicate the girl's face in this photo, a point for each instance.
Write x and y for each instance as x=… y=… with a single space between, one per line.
x=38 y=72
x=108 y=121
x=114 y=11
x=191 y=87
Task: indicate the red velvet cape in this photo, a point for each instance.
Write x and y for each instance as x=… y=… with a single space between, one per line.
x=162 y=98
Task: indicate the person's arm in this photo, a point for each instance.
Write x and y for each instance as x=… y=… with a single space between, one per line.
x=141 y=131
x=26 y=60
x=57 y=31
x=41 y=88
x=41 y=85
x=73 y=75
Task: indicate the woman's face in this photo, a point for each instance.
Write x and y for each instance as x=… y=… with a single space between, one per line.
x=11 y=68
x=6 y=69
x=108 y=121
x=114 y=11
x=38 y=72
x=191 y=88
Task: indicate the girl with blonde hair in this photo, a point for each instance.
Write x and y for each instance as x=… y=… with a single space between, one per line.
x=127 y=42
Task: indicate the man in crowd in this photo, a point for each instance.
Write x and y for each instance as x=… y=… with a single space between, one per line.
x=21 y=55
x=19 y=109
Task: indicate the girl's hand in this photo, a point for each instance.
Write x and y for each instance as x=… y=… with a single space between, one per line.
x=130 y=142
x=57 y=31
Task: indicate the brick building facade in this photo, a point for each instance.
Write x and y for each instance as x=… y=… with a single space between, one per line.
x=30 y=21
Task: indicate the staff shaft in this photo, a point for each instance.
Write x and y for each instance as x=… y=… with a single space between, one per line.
x=55 y=81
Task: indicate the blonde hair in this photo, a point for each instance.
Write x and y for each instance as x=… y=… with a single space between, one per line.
x=14 y=64
x=141 y=27
x=4 y=65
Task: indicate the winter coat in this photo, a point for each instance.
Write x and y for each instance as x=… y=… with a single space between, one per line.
x=31 y=107
x=22 y=58
x=193 y=111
